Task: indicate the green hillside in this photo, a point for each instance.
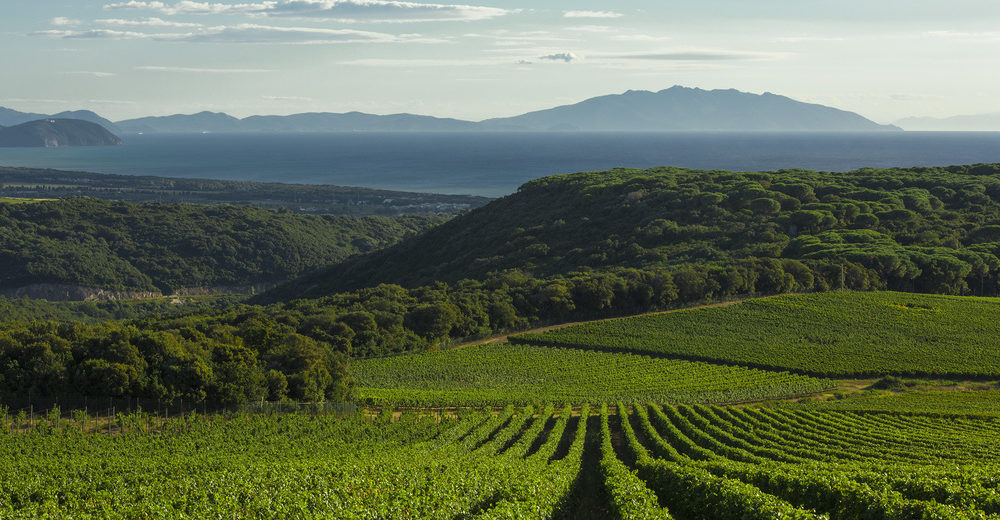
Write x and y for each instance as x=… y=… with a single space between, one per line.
x=843 y=334
x=164 y=247
x=916 y=229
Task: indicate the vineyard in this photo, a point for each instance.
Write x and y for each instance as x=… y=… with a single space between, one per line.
x=503 y=430
x=945 y=402
x=645 y=461
x=499 y=374
x=833 y=334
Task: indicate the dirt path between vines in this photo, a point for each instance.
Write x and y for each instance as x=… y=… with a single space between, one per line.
x=500 y=338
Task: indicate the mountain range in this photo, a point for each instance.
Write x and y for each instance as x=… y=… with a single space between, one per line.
x=963 y=123
x=673 y=109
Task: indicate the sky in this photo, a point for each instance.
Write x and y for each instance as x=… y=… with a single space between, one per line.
x=885 y=59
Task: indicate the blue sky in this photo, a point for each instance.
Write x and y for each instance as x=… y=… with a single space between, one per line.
x=885 y=59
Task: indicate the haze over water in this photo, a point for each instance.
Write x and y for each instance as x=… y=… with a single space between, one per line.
x=495 y=164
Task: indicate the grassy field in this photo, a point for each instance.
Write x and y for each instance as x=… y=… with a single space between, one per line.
x=832 y=334
x=18 y=200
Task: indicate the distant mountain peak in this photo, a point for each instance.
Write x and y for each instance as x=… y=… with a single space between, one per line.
x=680 y=108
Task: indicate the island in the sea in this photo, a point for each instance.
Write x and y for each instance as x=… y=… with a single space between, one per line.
x=57 y=132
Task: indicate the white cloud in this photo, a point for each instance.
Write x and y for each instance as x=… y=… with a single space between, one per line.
x=62 y=21
x=148 y=22
x=248 y=33
x=189 y=7
x=640 y=38
x=697 y=55
x=107 y=34
x=155 y=68
x=423 y=63
x=591 y=28
x=592 y=14
x=504 y=37
x=251 y=33
x=341 y=10
x=96 y=74
x=559 y=56
x=988 y=36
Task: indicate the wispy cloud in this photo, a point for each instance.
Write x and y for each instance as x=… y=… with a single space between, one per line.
x=984 y=36
x=251 y=33
x=559 y=56
x=697 y=55
x=247 y=33
x=591 y=28
x=200 y=70
x=96 y=74
x=523 y=38
x=148 y=22
x=341 y=10
x=189 y=7
x=286 y=98
x=424 y=62
x=640 y=38
x=62 y=21
x=106 y=34
x=592 y=14
x=806 y=38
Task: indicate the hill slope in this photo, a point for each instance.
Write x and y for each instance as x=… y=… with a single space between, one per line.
x=925 y=229
x=161 y=247
x=689 y=109
x=57 y=132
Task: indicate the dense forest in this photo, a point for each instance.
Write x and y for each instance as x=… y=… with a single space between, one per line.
x=563 y=248
x=922 y=229
x=154 y=247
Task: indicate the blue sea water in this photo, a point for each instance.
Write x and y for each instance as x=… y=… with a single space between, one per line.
x=495 y=164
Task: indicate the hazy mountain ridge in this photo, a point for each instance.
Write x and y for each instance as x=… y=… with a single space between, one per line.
x=57 y=132
x=9 y=117
x=673 y=109
x=965 y=123
x=689 y=109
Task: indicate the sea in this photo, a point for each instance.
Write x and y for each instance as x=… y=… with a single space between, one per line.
x=495 y=164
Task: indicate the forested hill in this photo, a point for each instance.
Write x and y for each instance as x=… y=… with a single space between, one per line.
x=57 y=132
x=923 y=229
x=125 y=246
